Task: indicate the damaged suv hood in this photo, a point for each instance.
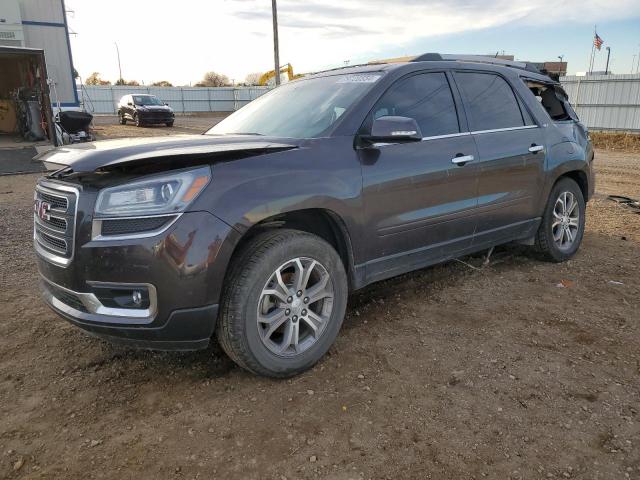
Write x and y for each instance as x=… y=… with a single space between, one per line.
x=89 y=157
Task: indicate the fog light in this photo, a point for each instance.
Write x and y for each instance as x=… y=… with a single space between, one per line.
x=122 y=296
x=136 y=296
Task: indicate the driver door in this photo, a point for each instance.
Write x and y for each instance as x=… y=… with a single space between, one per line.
x=419 y=201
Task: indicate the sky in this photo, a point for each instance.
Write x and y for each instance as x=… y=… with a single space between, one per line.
x=180 y=40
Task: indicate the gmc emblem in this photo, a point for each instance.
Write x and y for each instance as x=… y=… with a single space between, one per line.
x=41 y=209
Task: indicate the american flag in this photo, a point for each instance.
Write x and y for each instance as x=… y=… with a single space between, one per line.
x=597 y=41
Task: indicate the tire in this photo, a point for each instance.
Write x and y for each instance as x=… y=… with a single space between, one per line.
x=554 y=221
x=123 y=120
x=136 y=118
x=169 y=124
x=245 y=339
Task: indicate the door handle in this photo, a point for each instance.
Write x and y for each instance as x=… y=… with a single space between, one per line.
x=535 y=148
x=462 y=159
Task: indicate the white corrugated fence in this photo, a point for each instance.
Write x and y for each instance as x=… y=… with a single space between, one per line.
x=606 y=102
x=104 y=99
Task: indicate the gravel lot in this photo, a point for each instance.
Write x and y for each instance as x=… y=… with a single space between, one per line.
x=107 y=126
x=520 y=369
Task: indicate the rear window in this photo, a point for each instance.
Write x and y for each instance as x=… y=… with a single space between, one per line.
x=489 y=101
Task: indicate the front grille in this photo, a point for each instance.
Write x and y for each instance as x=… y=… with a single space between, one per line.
x=55 y=243
x=156 y=117
x=65 y=297
x=57 y=202
x=126 y=226
x=54 y=221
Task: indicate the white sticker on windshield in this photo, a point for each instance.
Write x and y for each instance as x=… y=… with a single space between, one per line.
x=358 y=78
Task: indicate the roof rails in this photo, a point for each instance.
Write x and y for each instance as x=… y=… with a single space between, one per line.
x=435 y=57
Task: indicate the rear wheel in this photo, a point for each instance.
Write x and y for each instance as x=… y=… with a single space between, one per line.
x=169 y=124
x=560 y=233
x=284 y=303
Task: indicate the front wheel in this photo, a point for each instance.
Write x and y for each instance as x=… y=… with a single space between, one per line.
x=123 y=120
x=560 y=233
x=284 y=302
x=137 y=119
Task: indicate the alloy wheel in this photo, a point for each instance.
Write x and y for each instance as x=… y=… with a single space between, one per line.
x=295 y=306
x=566 y=220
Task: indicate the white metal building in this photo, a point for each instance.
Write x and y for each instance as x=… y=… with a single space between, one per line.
x=42 y=24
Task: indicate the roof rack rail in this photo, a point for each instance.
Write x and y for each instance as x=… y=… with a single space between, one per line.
x=434 y=57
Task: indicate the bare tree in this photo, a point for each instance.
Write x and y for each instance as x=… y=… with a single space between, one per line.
x=213 y=79
x=162 y=83
x=94 y=79
x=253 y=78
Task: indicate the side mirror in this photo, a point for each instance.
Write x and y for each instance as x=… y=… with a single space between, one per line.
x=130 y=104
x=166 y=104
x=395 y=129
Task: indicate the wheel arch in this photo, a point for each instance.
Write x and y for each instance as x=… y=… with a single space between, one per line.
x=322 y=222
x=580 y=178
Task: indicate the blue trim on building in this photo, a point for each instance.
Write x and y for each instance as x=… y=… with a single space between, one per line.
x=66 y=31
x=43 y=24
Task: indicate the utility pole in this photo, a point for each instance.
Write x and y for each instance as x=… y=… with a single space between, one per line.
x=606 y=69
x=276 y=48
x=633 y=62
x=119 y=67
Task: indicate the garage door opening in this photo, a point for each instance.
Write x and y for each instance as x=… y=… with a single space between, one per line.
x=26 y=120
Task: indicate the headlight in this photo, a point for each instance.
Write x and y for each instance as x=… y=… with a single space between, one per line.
x=167 y=193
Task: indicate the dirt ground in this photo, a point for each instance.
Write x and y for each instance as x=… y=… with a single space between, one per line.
x=518 y=370
x=107 y=126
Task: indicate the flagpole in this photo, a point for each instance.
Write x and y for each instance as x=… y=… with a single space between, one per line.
x=593 y=49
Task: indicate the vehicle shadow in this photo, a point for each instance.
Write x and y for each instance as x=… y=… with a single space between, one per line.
x=213 y=363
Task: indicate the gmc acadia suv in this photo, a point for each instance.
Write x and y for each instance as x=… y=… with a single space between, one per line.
x=257 y=230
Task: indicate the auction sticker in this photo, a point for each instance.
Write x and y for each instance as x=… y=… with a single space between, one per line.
x=358 y=78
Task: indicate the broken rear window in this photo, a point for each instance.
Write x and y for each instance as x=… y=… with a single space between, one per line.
x=553 y=99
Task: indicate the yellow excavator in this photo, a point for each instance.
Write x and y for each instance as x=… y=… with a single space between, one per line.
x=269 y=77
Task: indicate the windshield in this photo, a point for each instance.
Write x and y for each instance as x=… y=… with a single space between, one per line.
x=146 y=100
x=301 y=109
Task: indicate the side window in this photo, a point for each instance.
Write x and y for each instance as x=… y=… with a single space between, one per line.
x=425 y=97
x=489 y=100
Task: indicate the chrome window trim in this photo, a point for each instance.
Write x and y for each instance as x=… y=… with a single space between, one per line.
x=448 y=135
x=96 y=228
x=508 y=129
x=97 y=311
x=463 y=134
x=51 y=188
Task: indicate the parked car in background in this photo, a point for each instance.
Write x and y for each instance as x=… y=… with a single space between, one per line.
x=257 y=231
x=143 y=109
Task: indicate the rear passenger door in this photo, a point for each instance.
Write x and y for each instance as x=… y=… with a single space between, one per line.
x=419 y=202
x=511 y=156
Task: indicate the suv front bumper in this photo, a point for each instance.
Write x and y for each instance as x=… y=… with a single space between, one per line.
x=180 y=271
